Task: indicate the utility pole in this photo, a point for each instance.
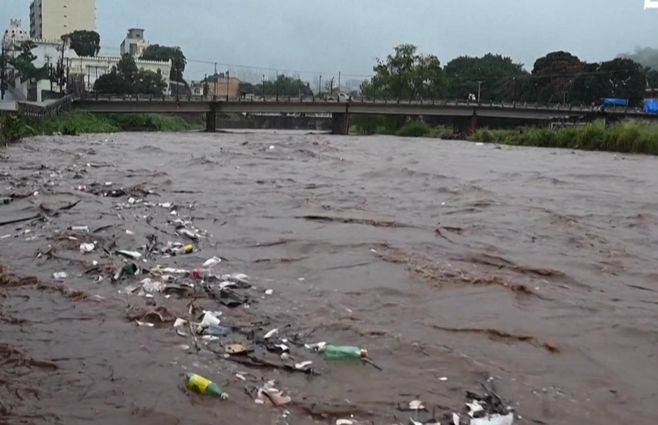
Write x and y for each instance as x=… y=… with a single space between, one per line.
x=479 y=90
x=338 y=83
x=331 y=87
x=3 y=60
x=263 y=87
x=276 y=82
x=320 y=87
x=228 y=81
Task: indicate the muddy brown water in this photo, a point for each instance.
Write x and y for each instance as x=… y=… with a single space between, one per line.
x=445 y=259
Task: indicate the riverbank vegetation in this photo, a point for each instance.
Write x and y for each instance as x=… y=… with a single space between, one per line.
x=626 y=137
x=13 y=128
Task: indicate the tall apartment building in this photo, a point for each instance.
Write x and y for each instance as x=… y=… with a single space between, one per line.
x=51 y=19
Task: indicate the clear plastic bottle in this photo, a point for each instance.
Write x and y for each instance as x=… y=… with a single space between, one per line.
x=335 y=352
x=201 y=385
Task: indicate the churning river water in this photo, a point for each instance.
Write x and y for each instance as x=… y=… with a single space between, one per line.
x=451 y=262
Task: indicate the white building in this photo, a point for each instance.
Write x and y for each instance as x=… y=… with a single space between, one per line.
x=51 y=19
x=14 y=34
x=134 y=43
x=91 y=68
x=81 y=71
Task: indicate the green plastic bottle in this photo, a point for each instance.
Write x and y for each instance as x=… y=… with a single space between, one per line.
x=335 y=352
x=201 y=385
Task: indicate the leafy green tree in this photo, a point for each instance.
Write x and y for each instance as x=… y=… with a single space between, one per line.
x=284 y=86
x=248 y=88
x=149 y=82
x=625 y=79
x=125 y=78
x=405 y=74
x=500 y=77
x=127 y=68
x=23 y=62
x=553 y=76
x=156 y=52
x=112 y=83
x=85 y=43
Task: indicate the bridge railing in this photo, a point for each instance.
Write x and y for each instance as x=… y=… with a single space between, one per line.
x=364 y=100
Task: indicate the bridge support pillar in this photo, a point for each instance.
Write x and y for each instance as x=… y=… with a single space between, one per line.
x=474 y=125
x=211 y=120
x=340 y=123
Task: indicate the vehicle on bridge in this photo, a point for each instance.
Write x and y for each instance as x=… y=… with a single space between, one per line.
x=651 y=106
x=613 y=101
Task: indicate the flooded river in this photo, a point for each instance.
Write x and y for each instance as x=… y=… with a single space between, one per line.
x=451 y=262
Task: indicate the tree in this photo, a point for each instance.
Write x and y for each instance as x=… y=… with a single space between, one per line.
x=112 y=83
x=248 y=88
x=128 y=69
x=500 y=77
x=125 y=78
x=553 y=76
x=85 y=43
x=23 y=63
x=284 y=86
x=625 y=79
x=156 y=52
x=149 y=82
x=407 y=75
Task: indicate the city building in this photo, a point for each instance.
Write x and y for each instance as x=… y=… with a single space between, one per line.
x=81 y=72
x=51 y=19
x=134 y=43
x=223 y=85
x=14 y=34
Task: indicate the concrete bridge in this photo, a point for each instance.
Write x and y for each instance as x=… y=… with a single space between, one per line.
x=467 y=116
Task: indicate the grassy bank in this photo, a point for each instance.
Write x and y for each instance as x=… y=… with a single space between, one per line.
x=627 y=137
x=13 y=128
x=398 y=126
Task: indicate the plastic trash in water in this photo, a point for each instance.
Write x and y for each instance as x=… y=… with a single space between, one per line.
x=484 y=410
x=271 y=333
x=130 y=254
x=60 y=276
x=318 y=346
x=217 y=330
x=210 y=319
x=187 y=233
x=211 y=262
x=205 y=386
x=87 y=247
x=271 y=393
x=84 y=229
x=335 y=352
x=151 y=286
x=186 y=249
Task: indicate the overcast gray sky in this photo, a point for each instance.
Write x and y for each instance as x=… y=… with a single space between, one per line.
x=348 y=35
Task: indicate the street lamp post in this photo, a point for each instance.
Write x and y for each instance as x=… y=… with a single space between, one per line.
x=479 y=90
x=263 y=87
x=320 y=87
